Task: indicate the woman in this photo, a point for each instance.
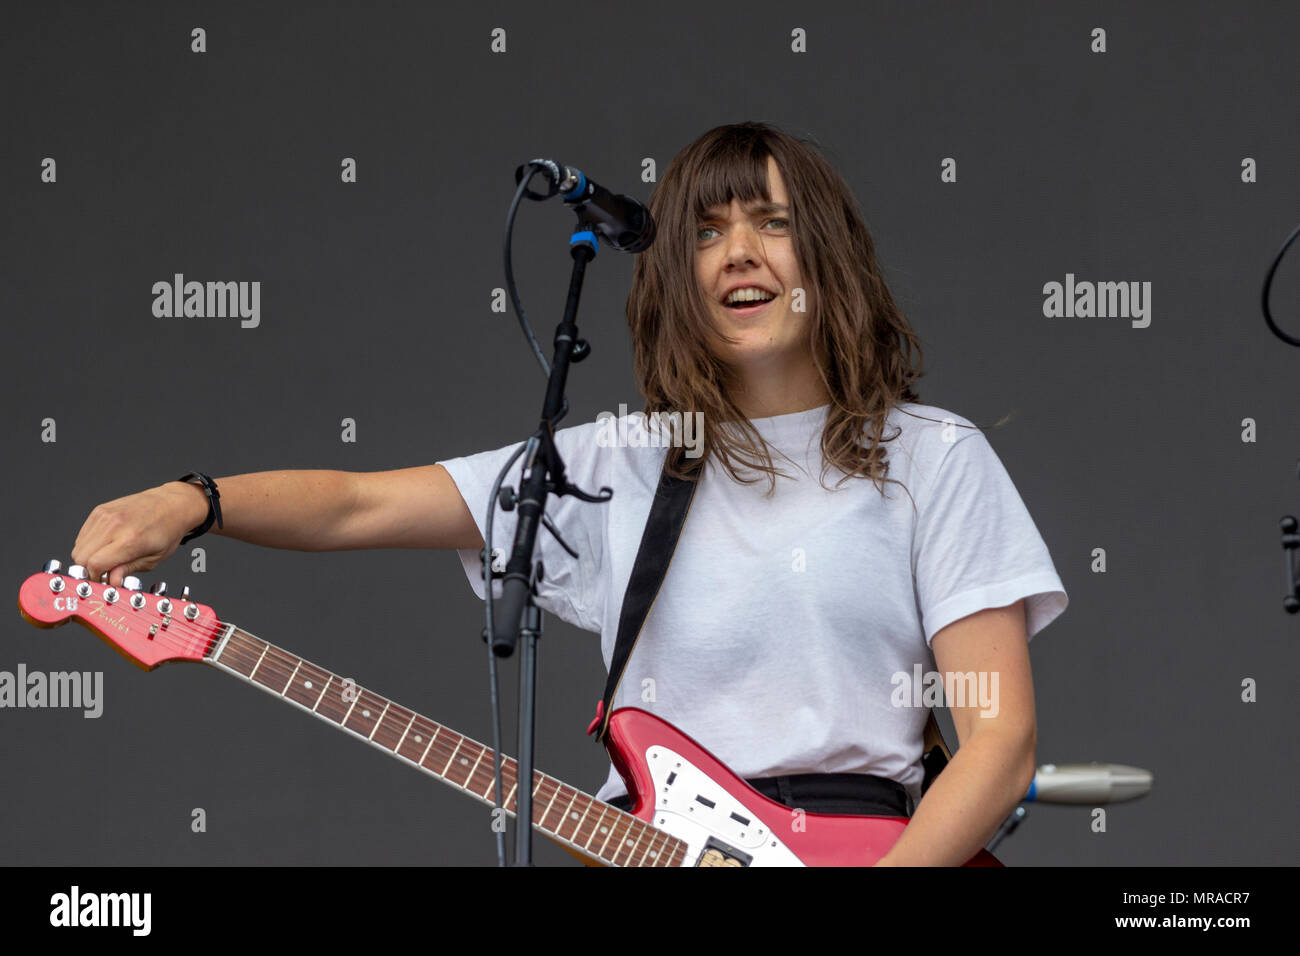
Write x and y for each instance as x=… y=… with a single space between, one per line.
x=787 y=636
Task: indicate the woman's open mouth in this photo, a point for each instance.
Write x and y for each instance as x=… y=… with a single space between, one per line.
x=748 y=308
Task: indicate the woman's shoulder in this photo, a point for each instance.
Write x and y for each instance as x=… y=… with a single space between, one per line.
x=925 y=433
x=917 y=419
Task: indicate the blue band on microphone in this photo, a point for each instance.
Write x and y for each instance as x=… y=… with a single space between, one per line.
x=579 y=189
x=1033 y=788
x=586 y=236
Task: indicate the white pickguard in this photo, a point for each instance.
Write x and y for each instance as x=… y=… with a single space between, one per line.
x=680 y=810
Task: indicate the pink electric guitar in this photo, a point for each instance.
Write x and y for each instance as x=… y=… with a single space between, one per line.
x=688 y=809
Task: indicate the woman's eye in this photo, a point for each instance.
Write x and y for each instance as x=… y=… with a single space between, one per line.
x=785 y=224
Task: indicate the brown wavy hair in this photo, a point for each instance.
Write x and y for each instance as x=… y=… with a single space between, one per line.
x=860 y=340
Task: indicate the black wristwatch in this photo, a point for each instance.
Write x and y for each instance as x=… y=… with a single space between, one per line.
x=214 y=503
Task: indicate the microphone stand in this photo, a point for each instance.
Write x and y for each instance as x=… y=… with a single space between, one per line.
x=543 y=475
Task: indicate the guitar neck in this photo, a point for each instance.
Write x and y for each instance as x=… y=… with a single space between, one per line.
x=588 y=826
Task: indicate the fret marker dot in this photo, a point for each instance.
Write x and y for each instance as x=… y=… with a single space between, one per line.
x=365 y=713
x=464 y=760
x=627 y=842
x=654 y=853
x=307 y=684
x=604 y=829
x=574 y=815
x=417 y=738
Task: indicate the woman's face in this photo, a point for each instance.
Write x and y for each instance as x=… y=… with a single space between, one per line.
x=754 y=247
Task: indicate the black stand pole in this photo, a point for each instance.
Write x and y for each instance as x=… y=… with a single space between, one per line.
x=543 y=475
x=530 y=632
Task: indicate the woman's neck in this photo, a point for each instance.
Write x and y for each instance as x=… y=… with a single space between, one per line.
x=780 y=392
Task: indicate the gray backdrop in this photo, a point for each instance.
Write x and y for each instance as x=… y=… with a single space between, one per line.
x=1125 y=165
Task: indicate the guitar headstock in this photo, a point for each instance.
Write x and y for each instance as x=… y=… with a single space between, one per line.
x=147 y=629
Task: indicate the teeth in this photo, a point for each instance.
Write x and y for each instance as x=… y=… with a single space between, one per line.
x=749 y=295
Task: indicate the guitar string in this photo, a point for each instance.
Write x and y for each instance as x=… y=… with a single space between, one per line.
x=281 y=665
x=276 y=661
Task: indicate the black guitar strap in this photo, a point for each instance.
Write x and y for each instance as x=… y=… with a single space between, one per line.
x=668 y=511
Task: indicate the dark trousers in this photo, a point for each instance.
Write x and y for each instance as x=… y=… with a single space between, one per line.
x=852 y=793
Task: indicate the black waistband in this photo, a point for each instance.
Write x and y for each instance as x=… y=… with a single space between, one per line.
x=852 y=793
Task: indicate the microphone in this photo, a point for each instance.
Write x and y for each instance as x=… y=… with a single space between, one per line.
x=1088 y=783
x=624 y=222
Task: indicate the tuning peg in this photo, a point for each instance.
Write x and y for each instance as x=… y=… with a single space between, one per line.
x=185 y=593
x=77 y=571
x=52 y=566
x=130 y=582
x=159 y=587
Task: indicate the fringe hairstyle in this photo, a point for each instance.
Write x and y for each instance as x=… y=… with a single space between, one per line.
x=861 y=343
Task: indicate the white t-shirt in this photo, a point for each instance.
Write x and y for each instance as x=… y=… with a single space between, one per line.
x=782 y=622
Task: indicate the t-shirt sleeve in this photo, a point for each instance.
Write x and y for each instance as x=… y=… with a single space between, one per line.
x=568 y=585
x=975 y=545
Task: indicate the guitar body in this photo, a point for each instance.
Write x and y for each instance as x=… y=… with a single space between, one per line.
x=678 y=786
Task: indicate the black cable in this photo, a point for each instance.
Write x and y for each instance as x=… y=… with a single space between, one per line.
x=1268 y=283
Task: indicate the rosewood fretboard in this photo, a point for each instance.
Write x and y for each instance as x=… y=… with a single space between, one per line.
x=587 y=825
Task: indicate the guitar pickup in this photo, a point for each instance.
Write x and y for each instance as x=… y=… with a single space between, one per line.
x=717 y=853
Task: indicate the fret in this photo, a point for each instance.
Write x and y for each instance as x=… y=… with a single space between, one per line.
x=458 y=772
x=361 y=720
x=416 y=739
x=559 y=795
x=371 y=735
x=488 y=791
x=216 y=655
x=608 y=831
x=654 y=850
x=488 y=775
x=239 y=651
x=253 y=675
x=393 y=727
x=556 y=791
x=569 y=816
x=451 y=758
x=398 y=748
x=332 y=706
x=291 y=677
x=548 y=803
x=271 y=673
x=561 y=811
x=426 y=749
x=303 y=690
x=643 y=832
x=650 y=837
x=577 y=831
x=609 y=849
x=474 y=768
x=595 y=824
x=344 y=721
x=624 y=845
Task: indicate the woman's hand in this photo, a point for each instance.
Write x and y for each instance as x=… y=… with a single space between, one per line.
x=138 y=532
